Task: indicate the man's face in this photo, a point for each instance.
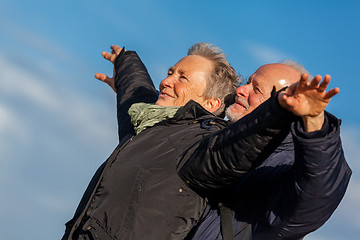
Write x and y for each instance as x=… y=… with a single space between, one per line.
x=185 y=81
x=258 y=88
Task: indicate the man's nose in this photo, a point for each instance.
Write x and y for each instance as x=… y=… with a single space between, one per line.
x=243 y=91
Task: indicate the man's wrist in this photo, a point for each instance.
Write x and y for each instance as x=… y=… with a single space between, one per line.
x=312 y=124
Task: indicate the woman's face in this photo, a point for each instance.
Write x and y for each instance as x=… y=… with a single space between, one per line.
x=185 y=81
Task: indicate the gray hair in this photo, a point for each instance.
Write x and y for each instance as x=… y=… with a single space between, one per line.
x=297 y=66
x=223 y=81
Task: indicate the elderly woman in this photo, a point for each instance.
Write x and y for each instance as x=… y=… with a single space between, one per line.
x=137 y=193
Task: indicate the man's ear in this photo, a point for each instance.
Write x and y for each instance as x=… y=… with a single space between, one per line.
x=212 y=104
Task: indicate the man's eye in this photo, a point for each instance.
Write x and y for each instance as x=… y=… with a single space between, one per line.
x=183 y=77
x=257 y=90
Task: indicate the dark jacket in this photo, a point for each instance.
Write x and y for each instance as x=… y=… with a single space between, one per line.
x=137 y=193
x=290 y=194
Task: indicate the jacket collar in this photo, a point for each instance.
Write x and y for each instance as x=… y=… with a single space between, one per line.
x=194 y=111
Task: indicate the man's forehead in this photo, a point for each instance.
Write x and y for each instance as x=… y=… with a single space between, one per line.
x=277 y=74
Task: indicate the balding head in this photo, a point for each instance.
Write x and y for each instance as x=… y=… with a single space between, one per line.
x=275 y=74
x=259 y=86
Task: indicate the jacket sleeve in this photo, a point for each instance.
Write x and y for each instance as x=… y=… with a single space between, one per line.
x=222 y=157
x=321 y=176
x=133 y=84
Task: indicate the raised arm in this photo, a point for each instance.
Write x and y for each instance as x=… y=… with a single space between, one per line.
x=320 y=176
x=131 y=82
x=221 y=158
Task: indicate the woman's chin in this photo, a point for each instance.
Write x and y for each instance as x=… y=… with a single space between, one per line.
x=163 y=102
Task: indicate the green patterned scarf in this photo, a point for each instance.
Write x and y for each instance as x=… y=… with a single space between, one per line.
x=145 y=115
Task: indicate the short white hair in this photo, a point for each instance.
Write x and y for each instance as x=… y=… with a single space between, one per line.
x=298 y=67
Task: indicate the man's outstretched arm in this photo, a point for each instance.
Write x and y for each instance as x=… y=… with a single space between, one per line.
x=221 y=158
x=319 y=179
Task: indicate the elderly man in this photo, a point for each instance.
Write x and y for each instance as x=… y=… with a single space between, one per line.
x=296 y=189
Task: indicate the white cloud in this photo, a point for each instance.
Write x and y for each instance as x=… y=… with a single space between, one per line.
x=81 y=114
x=263 y=53
x=77 y=121
x=7 y=120
x=31 y=38
x=12 y=128
x=24 y=84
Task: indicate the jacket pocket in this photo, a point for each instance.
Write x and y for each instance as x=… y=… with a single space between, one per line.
x=95 y=231
x=134 y=200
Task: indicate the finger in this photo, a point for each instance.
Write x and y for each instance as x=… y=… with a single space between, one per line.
x=303 y=80
x=304 y=77
x=282 y=100
x=331 y=93
x=291 y=102
x=315 y=82
x=325 y=83
x=291 y=89
x=102 y=77
x=109 y=56
x=106 y=55
x=116 y=49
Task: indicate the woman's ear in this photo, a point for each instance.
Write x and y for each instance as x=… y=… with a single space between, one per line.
x=212 y=104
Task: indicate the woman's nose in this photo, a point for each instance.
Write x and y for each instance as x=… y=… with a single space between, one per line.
x=168 y=82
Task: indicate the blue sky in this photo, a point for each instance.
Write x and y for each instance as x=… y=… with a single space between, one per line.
x=58 y=123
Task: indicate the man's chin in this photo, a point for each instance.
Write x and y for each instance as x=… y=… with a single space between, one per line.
x=233 y=114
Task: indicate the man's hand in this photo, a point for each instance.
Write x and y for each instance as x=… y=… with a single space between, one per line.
x=308 y=100
x=110 y=57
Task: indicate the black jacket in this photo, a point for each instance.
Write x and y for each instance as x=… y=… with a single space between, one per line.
x=292 y=193
x=137 y=193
